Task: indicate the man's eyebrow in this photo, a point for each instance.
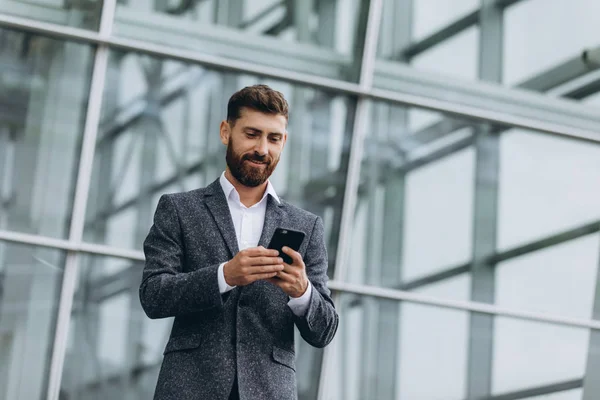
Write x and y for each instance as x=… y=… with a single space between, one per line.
x=251 y=128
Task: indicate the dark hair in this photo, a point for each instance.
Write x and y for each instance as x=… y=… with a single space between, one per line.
x=259 y=98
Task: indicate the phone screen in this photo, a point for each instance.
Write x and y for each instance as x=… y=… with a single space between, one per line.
x=286 y=237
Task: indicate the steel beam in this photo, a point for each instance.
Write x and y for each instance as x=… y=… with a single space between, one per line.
x=404 y=86
x=446 y=273
x=538 y=391
x=591 y=383
x=496 y=258
x=446 y=32
x=170 y=89
x=404 y=83
x=470 y=306
x=549 y=241
x=485 y=215
x=481 y=333
x=566 y=72
x=439 y=36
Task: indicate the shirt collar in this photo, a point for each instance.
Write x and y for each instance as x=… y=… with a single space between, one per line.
x=228 y=189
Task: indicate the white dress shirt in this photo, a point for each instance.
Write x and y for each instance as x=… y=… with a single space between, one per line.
x=248 y=223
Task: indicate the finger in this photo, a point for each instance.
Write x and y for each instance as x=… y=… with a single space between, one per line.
x=296 y=257
x=284 y=276
x=289 y=267
x=261 y=251
x=261 y=269
x=258 y=277
x=262 y=260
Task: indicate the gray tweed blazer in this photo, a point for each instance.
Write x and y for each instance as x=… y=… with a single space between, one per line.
x=248 y=331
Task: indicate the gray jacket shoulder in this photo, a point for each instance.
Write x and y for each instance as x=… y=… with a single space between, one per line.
x=185 y=198
x=299 y=215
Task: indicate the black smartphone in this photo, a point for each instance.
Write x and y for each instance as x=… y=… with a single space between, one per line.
x=286 y=237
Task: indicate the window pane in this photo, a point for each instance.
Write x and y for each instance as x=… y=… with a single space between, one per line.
x=560 y=279
x=576 y=394
x=30 y=283
x=456 y=55
x=114 y=351
x=44 y=87
x=425 y=198
x=522 y=360
x=563 y=29
x=78 y=14
x=431 y=15
x=395 y=350
x=322 y=38
x=548 y=185
x=415 y=202
x=165 y=138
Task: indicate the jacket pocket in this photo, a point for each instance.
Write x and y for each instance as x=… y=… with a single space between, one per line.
x=179 y=343
x=284 y=357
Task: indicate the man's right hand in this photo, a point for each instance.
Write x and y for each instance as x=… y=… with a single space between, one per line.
x=251 y=265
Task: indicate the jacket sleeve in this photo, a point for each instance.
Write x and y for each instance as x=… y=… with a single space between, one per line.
x=166 y=290
x=319 y=324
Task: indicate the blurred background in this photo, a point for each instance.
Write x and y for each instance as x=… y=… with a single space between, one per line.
x=452 y=148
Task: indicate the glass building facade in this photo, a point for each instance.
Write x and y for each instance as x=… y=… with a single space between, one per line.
x=451 y=147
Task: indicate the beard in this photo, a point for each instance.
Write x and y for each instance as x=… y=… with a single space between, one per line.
x=246 y=173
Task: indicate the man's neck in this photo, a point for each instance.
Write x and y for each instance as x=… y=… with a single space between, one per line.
x=249 y=196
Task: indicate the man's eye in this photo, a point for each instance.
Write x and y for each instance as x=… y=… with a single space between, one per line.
x=251 y=135
x=275 y=139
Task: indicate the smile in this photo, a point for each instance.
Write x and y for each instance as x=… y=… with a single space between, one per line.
x=256 y=162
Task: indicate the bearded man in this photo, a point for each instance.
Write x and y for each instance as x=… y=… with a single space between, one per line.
x=235 y=302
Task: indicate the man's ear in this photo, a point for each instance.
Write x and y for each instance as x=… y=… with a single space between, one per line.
x=225 y=132
x=284 y=140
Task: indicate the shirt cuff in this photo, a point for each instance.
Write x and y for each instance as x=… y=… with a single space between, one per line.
x=299 y=305
x=223 y=286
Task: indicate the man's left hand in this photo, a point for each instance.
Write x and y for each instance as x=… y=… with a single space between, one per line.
x=292 y=280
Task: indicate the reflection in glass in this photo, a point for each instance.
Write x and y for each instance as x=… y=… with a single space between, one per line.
x=44 y=86
x=560 y=279
x=397 y=350
x=30 y=280
x=575 y=29
x=430 y=16
x=522 y=360
x=327 y=35
x=415 y=195
x=405 y=24
x=114 y=351
x=428 y=189
x=78 y=14
x=458 y=56
x=549 y=185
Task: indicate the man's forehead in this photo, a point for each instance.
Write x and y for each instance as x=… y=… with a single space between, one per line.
x=262 y=121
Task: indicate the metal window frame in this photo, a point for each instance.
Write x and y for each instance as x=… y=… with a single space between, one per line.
x=361 y=119
x=413 y=88
x=84 y=176
x=335 y=285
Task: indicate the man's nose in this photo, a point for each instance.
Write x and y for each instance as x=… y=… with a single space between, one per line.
x=261 y=147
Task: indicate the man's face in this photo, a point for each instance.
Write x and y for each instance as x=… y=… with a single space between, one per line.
x=254 y=145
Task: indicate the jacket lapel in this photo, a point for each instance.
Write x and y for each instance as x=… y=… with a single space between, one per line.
x=272 y=221
x=218 y=207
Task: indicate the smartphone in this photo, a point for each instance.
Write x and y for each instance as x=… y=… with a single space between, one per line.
x=286 y=237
